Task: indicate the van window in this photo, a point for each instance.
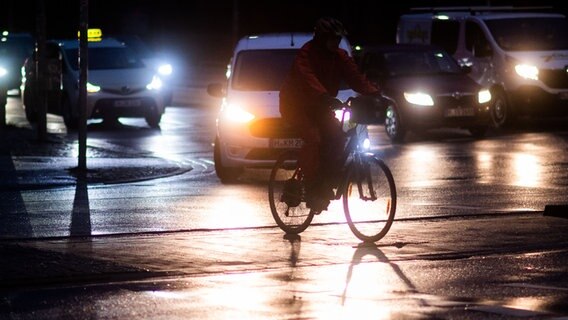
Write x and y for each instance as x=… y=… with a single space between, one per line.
x=262 y=70
x=475 y=40
x=445 y=34
x=530 y=34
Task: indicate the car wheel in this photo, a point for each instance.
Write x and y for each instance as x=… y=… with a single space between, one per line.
x=501 y=112
x=71 y=121
x=153 y=119
x=478 y=132
x=225 y=174
x=393 y=125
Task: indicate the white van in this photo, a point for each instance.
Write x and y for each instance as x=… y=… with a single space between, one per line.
x=522 y=56
x=250 y=130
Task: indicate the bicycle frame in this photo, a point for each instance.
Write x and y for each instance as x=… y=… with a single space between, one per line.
x=352 y=153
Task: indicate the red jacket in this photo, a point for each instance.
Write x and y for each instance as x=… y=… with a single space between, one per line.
x=317 y=71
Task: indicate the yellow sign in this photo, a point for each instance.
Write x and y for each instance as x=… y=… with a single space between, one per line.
x=94 y=34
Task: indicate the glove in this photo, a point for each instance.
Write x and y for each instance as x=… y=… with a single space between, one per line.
x=331 y=102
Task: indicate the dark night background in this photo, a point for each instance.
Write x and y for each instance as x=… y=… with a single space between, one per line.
x=201 y=31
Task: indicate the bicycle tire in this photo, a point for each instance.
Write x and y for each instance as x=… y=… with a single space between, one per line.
x=292 y=219
x=369 y=220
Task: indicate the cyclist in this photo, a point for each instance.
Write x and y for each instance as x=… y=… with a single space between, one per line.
x=307 y=97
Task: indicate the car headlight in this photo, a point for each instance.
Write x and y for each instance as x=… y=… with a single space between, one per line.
x=91 y=88
x=165 y=69
x=527 y=71
x=3 y=71
x=419 y=98
x=234 y=113
x=155 y=84
x=484 y=96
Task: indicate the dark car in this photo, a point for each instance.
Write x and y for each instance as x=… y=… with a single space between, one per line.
x=429 y=88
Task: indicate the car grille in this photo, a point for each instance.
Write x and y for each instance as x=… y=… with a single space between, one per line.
x=272 y=128
x=554 y=78
x=455 y=101
x=123 y=90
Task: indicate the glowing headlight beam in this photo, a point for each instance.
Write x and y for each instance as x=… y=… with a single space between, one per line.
x=155 y=84
x=527 y=71
x=165 y=69
x=484 y=96
x=235 y=113
x=91 y=88
x=419 y=98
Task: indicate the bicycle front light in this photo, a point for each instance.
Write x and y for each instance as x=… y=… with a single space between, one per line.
x=3 y=72
x=366 y=144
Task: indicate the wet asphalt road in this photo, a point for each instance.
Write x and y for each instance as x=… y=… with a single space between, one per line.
x=470 y=239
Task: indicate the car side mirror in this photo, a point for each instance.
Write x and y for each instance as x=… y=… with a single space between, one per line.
x=216 y=90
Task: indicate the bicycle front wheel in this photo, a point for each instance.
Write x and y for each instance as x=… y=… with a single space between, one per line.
x=369 y=201
x=286 y=195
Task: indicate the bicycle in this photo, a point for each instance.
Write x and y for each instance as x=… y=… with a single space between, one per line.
x=366 y=184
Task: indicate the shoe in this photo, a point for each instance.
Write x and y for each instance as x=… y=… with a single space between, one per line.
x=317 y=204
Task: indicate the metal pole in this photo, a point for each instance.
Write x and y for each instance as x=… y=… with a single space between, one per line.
x=235 y=22
x=41 y=72
x=83 y=63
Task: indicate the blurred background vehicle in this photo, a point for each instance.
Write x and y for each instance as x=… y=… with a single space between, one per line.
x=250 y=130
x=519 y=53
x=162 y=64
x=429 y=88
x=119 y=83
x=14 y=49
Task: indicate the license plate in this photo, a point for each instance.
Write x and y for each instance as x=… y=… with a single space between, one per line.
x=563 y=95
x=459 y=112
x=286 y=143
x=127 y=103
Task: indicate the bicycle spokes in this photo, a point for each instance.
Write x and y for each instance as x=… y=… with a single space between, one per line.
x=286 y=194
x=370 y=202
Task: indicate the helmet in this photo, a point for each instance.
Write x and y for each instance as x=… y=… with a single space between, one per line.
x=331 y=26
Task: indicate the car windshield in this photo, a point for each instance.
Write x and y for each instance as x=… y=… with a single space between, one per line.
x=102 y=58
x=530 y=34
x=405 y=63
x=137 y=45
x=262 y=70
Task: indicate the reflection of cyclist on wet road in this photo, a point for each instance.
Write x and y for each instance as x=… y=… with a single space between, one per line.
x=306 y=100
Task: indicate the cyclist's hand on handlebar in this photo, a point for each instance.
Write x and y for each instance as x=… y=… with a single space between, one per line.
x=331 y=102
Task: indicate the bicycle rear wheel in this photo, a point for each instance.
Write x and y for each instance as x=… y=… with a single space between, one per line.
x=286 y=195
x=369 y=201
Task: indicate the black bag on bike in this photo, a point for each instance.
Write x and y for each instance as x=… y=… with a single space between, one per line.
x=368 y=110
